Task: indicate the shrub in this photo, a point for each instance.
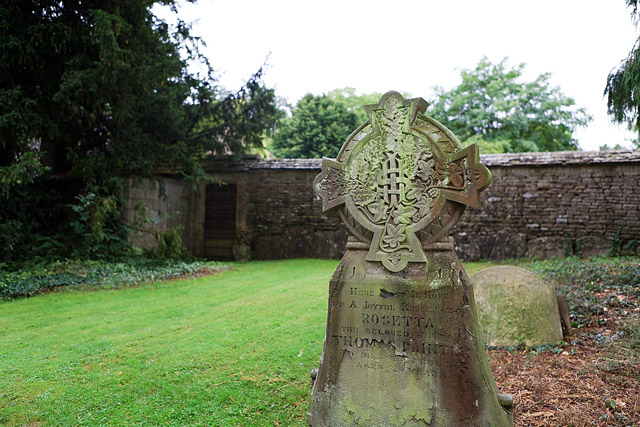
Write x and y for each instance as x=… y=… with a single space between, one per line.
x=169 y=244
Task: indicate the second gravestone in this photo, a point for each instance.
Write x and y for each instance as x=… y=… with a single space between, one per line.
x=402 y=344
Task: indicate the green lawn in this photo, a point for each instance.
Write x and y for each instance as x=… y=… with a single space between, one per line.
x=230 y=349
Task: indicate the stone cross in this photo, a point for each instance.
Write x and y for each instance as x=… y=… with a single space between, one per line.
x=402 y=341
x=395 y=175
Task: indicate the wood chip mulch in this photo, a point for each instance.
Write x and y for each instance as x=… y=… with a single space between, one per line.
x=591 y=381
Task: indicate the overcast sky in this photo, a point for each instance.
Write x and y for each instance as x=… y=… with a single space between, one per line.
x=411 y=46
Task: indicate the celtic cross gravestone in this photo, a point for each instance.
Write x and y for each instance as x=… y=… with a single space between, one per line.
x=402 y=341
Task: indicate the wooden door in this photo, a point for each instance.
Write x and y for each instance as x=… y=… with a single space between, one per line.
x=220 y=221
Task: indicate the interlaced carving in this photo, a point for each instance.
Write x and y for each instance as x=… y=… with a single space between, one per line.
x=395 y=174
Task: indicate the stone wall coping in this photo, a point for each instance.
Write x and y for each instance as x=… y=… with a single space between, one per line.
x=561 y=158
x=503 y=159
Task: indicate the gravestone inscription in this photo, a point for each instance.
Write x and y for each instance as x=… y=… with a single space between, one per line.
x=402 y=340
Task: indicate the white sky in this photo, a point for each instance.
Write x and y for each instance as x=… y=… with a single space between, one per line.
x=411 y=46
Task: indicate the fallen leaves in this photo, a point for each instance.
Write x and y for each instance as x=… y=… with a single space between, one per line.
x=583 y=385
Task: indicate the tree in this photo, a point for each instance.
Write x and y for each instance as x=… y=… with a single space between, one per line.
x=623 y=84
x=318 y=126
x=354 y=102
x=494 y=108
x=96 y=90
x=103 y=88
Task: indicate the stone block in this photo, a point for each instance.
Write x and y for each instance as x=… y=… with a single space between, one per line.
x=592 y=246
x=548 y=247
x=468 y=251
x=508 y=245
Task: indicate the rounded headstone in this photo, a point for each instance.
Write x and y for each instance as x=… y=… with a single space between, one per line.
x=515 y=305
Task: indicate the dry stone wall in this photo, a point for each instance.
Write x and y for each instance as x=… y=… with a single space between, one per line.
x=539 y=204
x=278 y=215
x=553 y=204
x=287 y=220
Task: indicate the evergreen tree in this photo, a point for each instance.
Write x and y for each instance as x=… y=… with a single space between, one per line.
x=623 y=85
x=96 y=90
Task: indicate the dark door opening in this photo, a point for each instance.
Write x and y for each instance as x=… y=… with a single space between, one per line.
x=220 y=221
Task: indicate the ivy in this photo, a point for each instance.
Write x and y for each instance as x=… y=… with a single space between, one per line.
x=38 y=277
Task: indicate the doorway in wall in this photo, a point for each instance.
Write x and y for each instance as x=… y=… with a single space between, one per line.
x=220 y=221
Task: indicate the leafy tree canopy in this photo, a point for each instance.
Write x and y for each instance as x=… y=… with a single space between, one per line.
x=494 y=108
x=607 y=147
x=102 y=87
x=317 y=127
x=623 y=85
x=97 y=90
x=354 y=102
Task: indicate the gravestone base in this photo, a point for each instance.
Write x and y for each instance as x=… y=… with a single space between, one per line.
x=403 y=349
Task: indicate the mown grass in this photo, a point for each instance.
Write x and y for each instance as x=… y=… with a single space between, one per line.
x=232 y=349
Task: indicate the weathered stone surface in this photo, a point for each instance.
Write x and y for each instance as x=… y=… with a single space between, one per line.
x=515 y=305
x=549 y=247
x=507 y=245
x=578 y=196
x=468 y=247
x=167 y=212
x=592 y=246
x=401 y=344
x=403 y=349
x=563 y=310
x=399 y=174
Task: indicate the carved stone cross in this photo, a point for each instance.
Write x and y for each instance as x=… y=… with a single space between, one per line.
x=401 y=181
x=402 y=341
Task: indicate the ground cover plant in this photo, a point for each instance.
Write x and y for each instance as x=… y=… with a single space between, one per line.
x=235 y=349
x=36 y=277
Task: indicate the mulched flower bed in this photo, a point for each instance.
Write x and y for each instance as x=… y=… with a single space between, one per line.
x=593 y=380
